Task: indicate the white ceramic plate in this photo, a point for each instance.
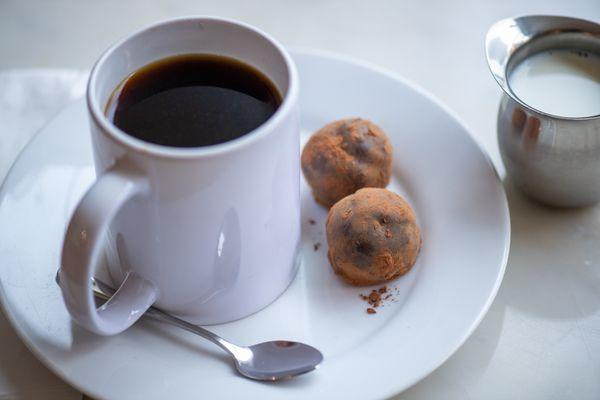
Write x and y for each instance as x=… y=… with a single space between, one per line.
x=459 y=201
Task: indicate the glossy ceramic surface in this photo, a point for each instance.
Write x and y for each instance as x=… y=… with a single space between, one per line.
x=555 y=160
x=458 y=199
x=188 y=228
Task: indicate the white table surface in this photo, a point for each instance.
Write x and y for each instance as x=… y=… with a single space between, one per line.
x=541 y=337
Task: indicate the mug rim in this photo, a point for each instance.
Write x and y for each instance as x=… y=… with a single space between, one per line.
x=117 y=135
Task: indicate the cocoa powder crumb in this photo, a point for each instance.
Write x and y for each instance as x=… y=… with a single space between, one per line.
x=316 y=246
x=312 y=221
x=375 y=298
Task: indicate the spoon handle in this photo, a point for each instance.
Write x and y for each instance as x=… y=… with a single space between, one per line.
x=104 y=292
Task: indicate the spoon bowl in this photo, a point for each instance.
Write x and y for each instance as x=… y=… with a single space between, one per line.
x=279 y=359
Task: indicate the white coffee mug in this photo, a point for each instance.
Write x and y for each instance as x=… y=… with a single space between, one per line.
x=209 y=234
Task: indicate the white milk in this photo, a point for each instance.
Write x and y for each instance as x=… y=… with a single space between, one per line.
x=559 y=82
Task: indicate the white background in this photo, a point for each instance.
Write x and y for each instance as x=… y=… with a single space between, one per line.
x=541 y=338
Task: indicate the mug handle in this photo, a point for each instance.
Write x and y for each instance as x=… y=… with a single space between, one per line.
x=81 y=251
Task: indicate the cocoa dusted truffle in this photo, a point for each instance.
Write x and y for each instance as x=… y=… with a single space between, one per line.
x=373 y=237
x=345 y=156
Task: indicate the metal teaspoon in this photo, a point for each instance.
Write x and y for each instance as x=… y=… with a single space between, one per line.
x=268 y=361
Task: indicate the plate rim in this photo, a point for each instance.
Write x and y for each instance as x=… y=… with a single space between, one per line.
x=296 y=51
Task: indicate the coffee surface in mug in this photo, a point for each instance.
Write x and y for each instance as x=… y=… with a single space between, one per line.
x=193 y=100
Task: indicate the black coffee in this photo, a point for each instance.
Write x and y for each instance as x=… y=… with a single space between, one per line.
x=193 y=100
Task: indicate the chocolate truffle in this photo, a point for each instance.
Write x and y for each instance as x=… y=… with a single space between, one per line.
x=345 y=156
x=373 y=237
